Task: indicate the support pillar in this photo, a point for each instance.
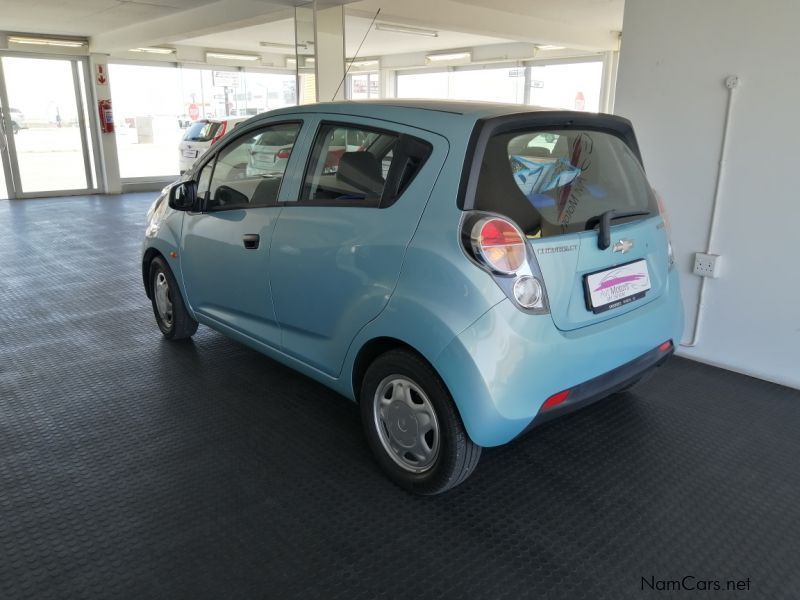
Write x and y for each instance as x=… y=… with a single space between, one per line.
x=329 y=51
x=108 y=177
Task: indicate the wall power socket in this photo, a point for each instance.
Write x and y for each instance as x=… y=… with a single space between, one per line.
x=706 y=265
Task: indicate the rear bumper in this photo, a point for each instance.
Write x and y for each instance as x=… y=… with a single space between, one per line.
x=604 y=385
x=502 y=369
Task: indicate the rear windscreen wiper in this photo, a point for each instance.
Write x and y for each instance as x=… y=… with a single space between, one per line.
x=604 y=235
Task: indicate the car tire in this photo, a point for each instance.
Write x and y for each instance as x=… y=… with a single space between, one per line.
x=173 y=319
x=412 y=425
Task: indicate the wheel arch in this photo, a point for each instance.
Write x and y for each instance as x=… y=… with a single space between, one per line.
x=147 y=258
x=371 y=350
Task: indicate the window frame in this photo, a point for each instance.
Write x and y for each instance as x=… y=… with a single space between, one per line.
x=379 y=203
x=214 y=155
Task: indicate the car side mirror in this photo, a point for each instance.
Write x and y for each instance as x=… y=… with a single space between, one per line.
x=183 y=195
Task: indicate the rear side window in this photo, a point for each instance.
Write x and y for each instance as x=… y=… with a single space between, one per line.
x=553 y=182
x=201 y=131
x=356 y=166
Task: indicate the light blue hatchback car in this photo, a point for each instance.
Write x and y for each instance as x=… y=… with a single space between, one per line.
x=464 y=271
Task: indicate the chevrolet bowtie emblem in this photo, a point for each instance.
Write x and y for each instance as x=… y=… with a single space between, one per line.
x=622 y=246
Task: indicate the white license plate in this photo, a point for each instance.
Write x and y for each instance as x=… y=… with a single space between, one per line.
x=618 y=286
x=190 y=153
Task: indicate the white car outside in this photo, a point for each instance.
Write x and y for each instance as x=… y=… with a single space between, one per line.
x=201 y=135
x=270 y=153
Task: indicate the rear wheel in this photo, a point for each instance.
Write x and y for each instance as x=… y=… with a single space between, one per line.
x=173 y=319
x=412 y=425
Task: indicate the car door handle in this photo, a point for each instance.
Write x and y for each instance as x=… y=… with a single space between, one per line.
x=250 y=240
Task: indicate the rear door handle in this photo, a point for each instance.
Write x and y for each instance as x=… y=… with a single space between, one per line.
x=250 y=240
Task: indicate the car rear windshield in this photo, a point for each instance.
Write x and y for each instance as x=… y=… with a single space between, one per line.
x=201 y=131
x=279 y=136
x=553 y=182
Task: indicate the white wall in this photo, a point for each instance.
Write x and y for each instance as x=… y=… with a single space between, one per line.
x=675 y=56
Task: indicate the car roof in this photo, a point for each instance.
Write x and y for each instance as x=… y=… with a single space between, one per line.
x=236 y=119
x=471 y=108
x=447 y=117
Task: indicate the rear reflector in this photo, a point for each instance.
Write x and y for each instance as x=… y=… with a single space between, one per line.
x=554 y=400
x=665 y=346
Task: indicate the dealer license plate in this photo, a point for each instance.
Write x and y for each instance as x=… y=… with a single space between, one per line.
x=190 y=153
x=616 y=287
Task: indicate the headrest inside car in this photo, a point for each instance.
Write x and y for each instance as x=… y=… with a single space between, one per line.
x=362 y=171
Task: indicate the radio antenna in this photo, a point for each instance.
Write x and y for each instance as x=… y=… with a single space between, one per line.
x=347 y=71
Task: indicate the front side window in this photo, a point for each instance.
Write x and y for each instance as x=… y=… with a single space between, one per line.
x=348 y=164
x=248 y=172
x=554 y=182
x=204 y=180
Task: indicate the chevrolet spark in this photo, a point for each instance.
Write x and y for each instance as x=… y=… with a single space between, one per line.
x=464 y=271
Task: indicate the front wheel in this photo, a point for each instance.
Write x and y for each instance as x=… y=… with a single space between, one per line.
x=173 y=319
x=412 y=425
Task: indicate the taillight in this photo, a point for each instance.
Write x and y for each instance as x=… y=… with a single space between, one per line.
x=500 y=247
x=284 y=153
x=664 y=217
x=222 y=128
x=499 y=244
x=662 y=210
x=528 y=291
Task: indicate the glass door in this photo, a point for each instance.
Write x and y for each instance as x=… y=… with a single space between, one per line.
x=47 y=150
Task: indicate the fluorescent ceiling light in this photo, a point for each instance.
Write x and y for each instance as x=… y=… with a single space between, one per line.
x=550 y=47
x=364 y=63
x=276 y=45
x=406 y=29
x=305 y=61
x=154 y=50
x=227 y=56
x=45 y=41
x=449 y=57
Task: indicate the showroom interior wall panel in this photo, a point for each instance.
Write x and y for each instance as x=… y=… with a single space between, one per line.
x=674 y=60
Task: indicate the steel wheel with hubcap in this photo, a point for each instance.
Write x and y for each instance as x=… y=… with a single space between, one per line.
x=412 y=425
x=406 y=423
x=173 y=319
x=163 y=303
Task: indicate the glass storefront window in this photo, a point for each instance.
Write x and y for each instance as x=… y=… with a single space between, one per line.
x=363 y=86
x=423 y=85
x=153 y=106
x=147 y=110
x=267 y=91
x=572 y=86
x=490 y=85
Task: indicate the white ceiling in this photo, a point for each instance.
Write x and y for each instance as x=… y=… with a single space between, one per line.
x=600 y=14
x=377 y=43
x=85 y=17
x=116 y=25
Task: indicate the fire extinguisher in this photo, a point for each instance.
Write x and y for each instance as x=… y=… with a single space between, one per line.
x=106 y=116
